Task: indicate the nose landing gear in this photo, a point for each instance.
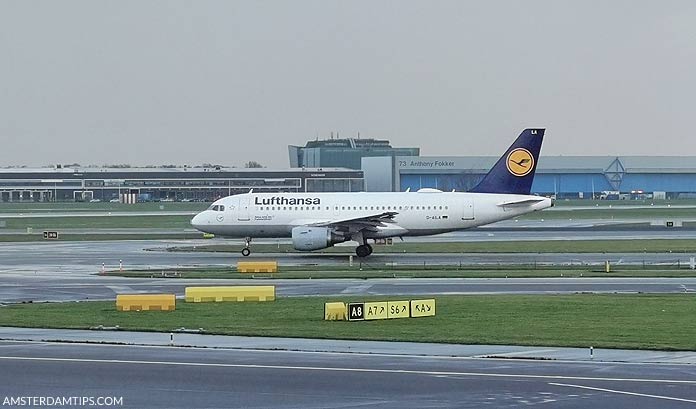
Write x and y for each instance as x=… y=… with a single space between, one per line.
x=246 y=251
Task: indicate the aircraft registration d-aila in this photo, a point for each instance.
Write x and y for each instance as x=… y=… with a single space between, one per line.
x=319 y=220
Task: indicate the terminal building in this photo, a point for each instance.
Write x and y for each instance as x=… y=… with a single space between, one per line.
x=343 y=153
x=354 y=165
x=561 y=176
x=153 y=184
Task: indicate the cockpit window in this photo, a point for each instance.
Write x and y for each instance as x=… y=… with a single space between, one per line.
x=215 y=208
x=222 y=208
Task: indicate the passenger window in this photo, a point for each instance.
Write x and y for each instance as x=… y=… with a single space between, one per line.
x=399 y=207
x=446 y=207
x=440 y=207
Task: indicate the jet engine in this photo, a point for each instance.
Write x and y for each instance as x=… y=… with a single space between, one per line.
x=305 y=238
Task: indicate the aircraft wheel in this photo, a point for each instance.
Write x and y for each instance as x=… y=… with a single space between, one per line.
x=369 y=249
x=363 y=250
x=246 y=252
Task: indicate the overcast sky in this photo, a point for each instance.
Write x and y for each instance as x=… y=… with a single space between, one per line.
x=155 y=82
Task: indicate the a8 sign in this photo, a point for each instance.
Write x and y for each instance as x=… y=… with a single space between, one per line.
x=356 y=311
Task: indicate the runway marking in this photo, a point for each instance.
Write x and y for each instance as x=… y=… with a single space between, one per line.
x=357 y=289
x=339 y=369
x=535 y=351
x=120 y=288
x=624 y=392
x=16 y=344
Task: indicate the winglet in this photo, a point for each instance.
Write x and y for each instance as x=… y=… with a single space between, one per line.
x=514 y=171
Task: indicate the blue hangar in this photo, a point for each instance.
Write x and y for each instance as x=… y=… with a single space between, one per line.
x=660 y=177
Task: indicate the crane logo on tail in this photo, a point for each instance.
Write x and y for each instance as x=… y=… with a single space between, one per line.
x=520 y=162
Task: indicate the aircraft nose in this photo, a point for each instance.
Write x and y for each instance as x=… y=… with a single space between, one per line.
x=197 y=221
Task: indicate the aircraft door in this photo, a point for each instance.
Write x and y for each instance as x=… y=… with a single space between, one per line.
x=243 y=209
x=467 y=207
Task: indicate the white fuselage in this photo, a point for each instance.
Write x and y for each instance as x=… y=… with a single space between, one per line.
x=270 y=215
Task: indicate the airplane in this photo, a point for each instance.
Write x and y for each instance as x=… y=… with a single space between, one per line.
x=316 y=221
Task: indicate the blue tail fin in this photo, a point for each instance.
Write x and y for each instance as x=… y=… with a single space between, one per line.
x=514 y=171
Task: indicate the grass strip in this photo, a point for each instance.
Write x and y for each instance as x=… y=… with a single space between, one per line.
x=100 y=222
x=617 y=212
x=67 y=237
x=641 y=321
x=46 y=207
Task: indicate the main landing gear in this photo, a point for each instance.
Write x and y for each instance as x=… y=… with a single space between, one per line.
x=246 y=251
x=363 y=250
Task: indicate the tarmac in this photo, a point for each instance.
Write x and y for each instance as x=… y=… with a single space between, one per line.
x=231 y=372
x=59 y=287
x=67 y=271
x=88 y=256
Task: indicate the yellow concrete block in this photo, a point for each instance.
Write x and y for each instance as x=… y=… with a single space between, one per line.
x=257 y=266
x=233 y=293
x=398 y=309
x=335 y=311
x=376 y=310
x=422 y=308
x=145 y=302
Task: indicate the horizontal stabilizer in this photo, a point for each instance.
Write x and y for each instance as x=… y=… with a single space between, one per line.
x=523 y=202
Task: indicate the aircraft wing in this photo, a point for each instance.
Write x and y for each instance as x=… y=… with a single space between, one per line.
x=359 y=223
